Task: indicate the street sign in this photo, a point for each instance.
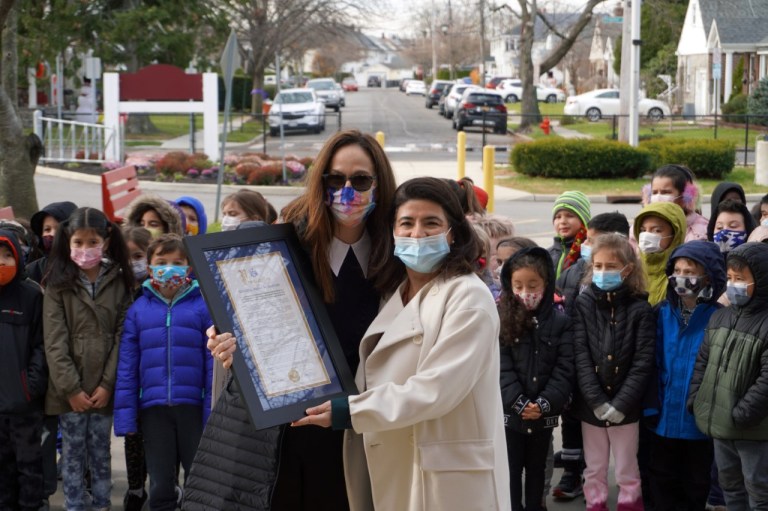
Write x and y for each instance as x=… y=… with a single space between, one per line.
x=230 y=59
x=613 y=19
x=717 y=71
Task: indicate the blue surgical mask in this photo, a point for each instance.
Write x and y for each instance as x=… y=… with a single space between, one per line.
x=764 y=223
x=586 y=252
x=607 y=280
x=737 y=293
x=729 y=239
x=422 y=255
x=169 y=275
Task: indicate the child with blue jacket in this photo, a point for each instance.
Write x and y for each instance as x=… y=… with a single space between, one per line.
x=164 y=370
x=680 y=454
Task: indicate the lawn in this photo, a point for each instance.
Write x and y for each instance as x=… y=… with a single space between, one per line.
x=246 y=132
x=745 y=176
x=169 y=126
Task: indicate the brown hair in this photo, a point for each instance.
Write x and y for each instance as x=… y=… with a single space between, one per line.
x=166 y=244
x=253 y=204
x=313 y=219
x=622 y=249
x=516 y=242
x=495 y=226
x=139 y=236
x=466 y=246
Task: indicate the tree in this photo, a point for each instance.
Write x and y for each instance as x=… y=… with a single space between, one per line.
x=19 y=153
x=758 y=102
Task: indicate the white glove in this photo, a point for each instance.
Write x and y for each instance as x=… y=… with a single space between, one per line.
x=613 y=415
x=601 y=410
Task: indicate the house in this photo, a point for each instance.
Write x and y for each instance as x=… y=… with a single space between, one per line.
x=382 y=57
x=718 y=38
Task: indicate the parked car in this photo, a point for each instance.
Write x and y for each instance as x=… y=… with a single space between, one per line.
x=435 y=91
x=326 y=91
x=374 y=81
x=481 y=108
x=403 y=83
x=513 y=92
x=415 y=87
x=342 y=94
x=494 y=82
x=597 y=103
x=349 y=84
x=296 y=109
x=453 y=97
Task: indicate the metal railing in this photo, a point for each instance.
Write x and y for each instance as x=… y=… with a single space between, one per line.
x=71 y=141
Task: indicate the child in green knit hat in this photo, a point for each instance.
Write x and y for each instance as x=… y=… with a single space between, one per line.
x=570 y=216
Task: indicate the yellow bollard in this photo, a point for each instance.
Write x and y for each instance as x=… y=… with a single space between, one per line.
x=461 y=153
x=380 y=138
x=489 y=159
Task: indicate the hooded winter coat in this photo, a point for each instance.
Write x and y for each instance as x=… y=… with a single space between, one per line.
x=749 y=222
x=614 y=340
x=170 y=214
x=202 y=218
x=677 y=344
x=538 y=366
x=655 y=264
x=729 y=388
x=723 y=188
x=58 y=210
x=23 y=371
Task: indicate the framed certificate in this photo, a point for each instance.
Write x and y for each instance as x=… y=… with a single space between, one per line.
x=258 y=285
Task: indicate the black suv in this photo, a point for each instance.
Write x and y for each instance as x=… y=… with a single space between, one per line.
x=481 y=108
x=436 y=89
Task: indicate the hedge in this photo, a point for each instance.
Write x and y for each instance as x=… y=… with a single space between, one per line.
x=579 y=158
x=706 y=158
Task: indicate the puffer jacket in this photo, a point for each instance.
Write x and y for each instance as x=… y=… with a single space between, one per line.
x=164 y=360
x=678 y=344
x=729 y=388
x=82 y=338
x=537 y=367
x=202 y=218
x=614 y=335
x=570 y=284
x=168 y=211
x=23 y=371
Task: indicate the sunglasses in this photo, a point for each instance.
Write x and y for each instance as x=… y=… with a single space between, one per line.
x=361 y=183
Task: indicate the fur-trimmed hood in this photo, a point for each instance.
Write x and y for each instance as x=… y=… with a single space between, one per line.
x=168 y=212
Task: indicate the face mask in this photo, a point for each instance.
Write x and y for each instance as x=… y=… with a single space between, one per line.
x=422 y=255
x=155 y=232
x=350 y=207
x=531 y=301
x=47 y=243
x=86 y=258
x=607 y=280
x=586 y=252
x=737 y=293
x=230 y=223
x=7 y=273
x=650 y=243
x=139 y=269
x=192 y=229
x=764 y=223
x=687 y=286
x=728 y=239
x=664 y=197
x=169 y=275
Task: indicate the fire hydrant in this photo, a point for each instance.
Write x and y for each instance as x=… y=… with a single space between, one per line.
x=545 y=127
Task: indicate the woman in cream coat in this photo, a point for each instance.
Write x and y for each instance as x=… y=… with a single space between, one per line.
x=429 y=408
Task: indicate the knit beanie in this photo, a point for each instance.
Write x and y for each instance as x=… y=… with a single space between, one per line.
x=576 y=202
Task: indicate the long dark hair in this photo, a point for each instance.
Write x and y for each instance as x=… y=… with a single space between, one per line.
x=465 y=249
x=516 y=319
x=63 y=272
x=314 y=222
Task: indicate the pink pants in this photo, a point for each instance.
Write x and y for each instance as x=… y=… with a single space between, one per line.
x=598 y=445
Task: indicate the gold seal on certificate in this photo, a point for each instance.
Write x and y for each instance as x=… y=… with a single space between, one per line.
x=276 y=332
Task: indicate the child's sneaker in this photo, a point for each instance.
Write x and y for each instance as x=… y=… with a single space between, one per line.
x=569 y=486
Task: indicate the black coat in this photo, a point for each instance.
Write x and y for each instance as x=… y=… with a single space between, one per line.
x=537 y=366
x=614 y=342
x=569 y=284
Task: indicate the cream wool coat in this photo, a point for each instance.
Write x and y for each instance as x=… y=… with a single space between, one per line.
x=430 y=409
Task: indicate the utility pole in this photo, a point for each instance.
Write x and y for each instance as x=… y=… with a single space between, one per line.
x=434 y=42
x=626 y=71
x=481 y=68
x=634 y=91
x=450 y=41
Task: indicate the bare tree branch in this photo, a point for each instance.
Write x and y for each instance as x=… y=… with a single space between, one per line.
x=566 y=43
x=550 y=25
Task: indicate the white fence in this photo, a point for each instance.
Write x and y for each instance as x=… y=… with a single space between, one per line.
x=72 y=141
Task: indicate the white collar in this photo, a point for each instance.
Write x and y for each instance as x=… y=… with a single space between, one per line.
x=338 y=250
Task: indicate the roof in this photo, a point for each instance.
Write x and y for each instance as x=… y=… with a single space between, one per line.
x=741 y=30
x=734 y=10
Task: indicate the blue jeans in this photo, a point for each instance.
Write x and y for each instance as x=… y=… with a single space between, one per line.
x=743 y=475
x=86 y=436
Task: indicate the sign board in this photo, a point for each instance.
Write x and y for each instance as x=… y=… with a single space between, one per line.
x=717 y=71
x=613 y=19
x=93 y=68
x=717 y=57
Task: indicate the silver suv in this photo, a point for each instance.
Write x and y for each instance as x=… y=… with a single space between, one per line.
x=326 y=91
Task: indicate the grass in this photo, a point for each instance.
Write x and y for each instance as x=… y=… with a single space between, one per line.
x=544 y=108
x=745 y=176
x=170 y=126
x=246 y=132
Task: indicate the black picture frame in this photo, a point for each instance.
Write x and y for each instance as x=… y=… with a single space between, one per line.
x=258 y=251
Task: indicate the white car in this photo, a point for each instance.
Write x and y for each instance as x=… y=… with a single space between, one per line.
x=454 y=96
x=415 y=87
x=326 y=91
x=513 y=92
x=296 y=109
x=605 y=102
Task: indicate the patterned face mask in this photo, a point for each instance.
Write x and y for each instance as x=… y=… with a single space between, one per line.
x=350 y=207
x=168 y=276
x=530 y=300
x=688 y=285
x=728 y=239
